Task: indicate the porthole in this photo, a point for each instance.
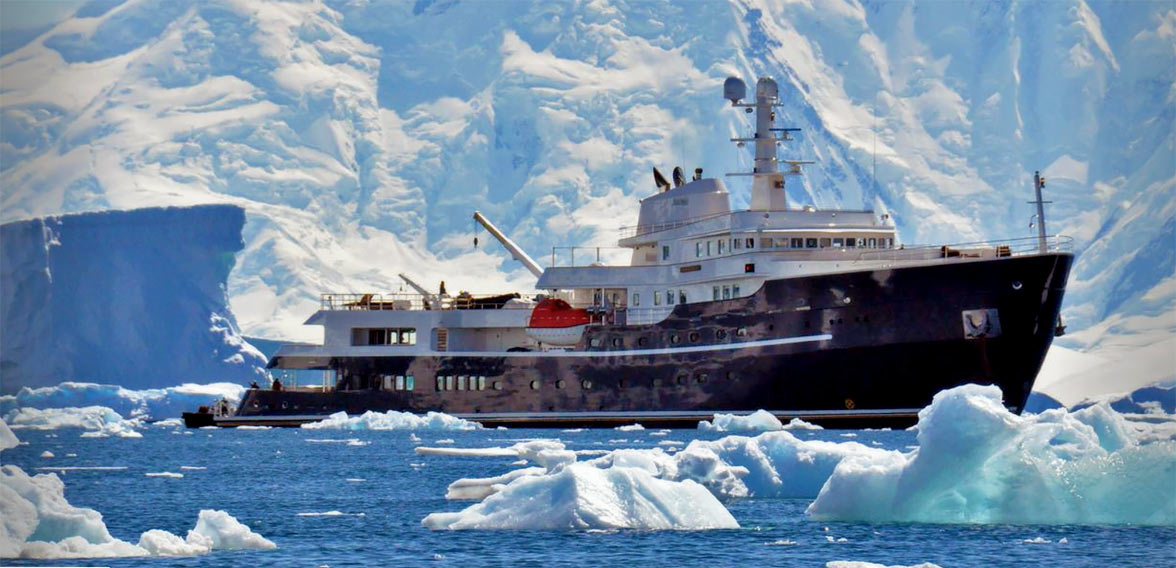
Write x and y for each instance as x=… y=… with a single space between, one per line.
x=617 y=342
x=1016 y=284
x=255 y=405
x=847 y=300
x=730 y=375
x=642 y=342
x=720 y=334
x=694 y=337
x=497 y=385
x=560 y=384
x=534 y=385
x=701 y=378
x=741 y=332
x=771 y=327
x=285 y=405
x=587 y=385
x=683 y=379
x=675 y=339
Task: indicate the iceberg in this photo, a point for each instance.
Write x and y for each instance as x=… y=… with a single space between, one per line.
x=38 y=522
x=134 y=296
x=392 y=420
x=582 y=496
x=976 y=462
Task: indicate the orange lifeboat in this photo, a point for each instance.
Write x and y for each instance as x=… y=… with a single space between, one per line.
x=555 y=322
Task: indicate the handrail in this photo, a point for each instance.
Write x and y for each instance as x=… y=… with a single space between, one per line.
x=640 y=230
x=410 y=302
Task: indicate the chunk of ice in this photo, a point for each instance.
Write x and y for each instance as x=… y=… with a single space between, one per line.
x=976 y=462
x=392 y=420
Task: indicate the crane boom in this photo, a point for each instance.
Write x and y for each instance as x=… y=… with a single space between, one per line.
x=514 y=249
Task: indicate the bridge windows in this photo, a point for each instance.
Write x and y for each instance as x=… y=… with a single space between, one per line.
x=383 y=336
x=698 y=249
x=665 y=252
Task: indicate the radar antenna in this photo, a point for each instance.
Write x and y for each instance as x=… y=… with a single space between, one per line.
x=767 y=186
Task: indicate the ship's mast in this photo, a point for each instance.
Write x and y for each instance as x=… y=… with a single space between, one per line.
x=767 y=186
x=1038 y=183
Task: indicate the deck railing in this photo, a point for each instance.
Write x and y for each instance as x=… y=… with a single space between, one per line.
x=405 y=301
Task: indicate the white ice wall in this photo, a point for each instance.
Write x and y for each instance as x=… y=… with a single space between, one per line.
x=135 y=298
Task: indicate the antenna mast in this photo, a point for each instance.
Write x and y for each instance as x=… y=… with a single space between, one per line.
x=1038 y=183
x=767 y=186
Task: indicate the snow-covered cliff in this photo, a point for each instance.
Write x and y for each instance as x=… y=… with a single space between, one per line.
x=135 y=298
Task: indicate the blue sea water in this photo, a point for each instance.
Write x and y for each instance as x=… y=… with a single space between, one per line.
x=265 y=478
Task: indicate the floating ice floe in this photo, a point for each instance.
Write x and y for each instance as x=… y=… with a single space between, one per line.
x=976 y=462
x=758 y=421
x=39 y=522
x=392 y=420
x=583 y=496
x=168 y=474
x=47 y=454
x=331 y=514
x=630 y=428
x=169 y=423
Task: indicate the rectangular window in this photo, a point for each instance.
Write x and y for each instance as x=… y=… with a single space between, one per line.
x=797 y=243
x=656 y=298
x=387 y=380
x=765 y=242
x=636 y=299
x=810 y=243
x=461 y=382
x=708 y=248
x=750 y=243
x=734 y=290
x=681 y=296
x=873 y=243
x=409 y=383
x=825 y=243
x=440 y=383
x=383 y=336
x=399 y=382
x=726 y=292
x=698 y=249
x=481 y=382
x=669 y=297
x=736 y=244
x=838 y=243
x=716 y=292
x=665 y=252
x=377 y=337
x=721 y=244
x=849 y=243
x=448 y=382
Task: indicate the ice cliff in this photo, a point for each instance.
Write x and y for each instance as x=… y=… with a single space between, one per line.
x=134 y=298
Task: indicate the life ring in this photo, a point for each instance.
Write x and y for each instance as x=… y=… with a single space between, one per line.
x=849 y=404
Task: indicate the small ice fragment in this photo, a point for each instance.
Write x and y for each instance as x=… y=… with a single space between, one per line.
x=355 y=480
x=165 y=474
x=413 y=437
x=192 y=467
x=71 y=455
x=671 y=443
x=1063 y=540
x=630 y=428
x=1036 y=540
x=573 y=430
x=445 y=441
x=783 y=542
x=47 y=454
x=849 y=435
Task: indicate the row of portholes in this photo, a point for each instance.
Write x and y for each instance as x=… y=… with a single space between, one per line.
x=674 y=338
x=585 y=384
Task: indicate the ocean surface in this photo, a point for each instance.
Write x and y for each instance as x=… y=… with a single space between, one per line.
x=271 y=480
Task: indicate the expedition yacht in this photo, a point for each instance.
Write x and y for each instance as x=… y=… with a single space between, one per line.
x=808 y=313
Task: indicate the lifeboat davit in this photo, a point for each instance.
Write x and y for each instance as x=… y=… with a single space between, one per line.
x=555 y=322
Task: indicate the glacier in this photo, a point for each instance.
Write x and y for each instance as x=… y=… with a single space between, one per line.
x=40 y=523
x=343 y=128
x=135 y=298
